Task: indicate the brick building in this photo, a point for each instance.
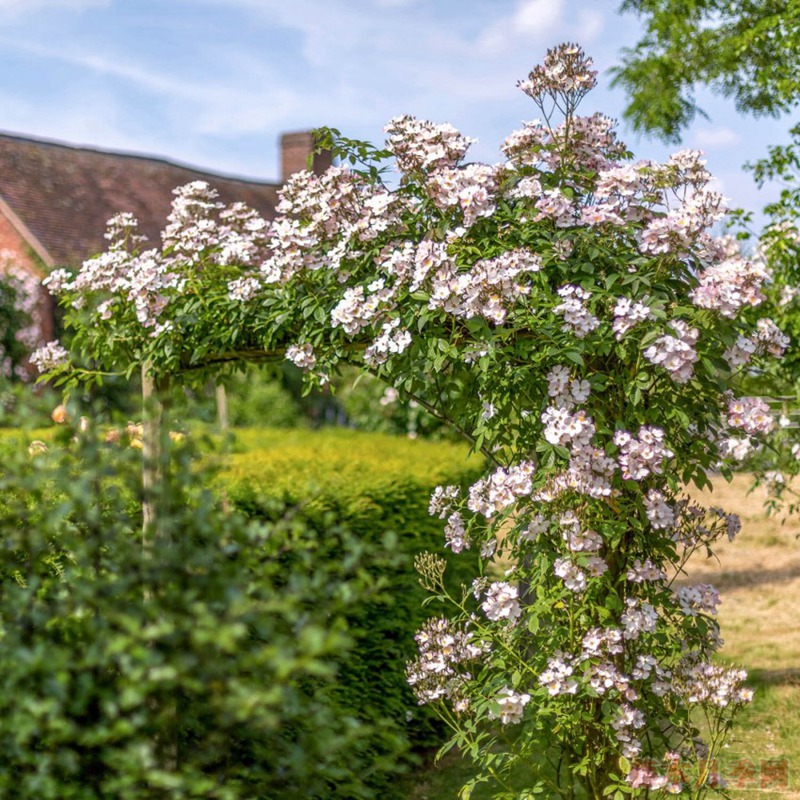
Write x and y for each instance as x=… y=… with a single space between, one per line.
x=56 y=198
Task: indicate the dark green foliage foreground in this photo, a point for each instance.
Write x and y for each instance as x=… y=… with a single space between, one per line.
x=240 y=659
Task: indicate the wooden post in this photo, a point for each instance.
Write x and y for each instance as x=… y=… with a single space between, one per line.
x=154 y=399
x=153 y=406
x=224 y=429
x=222 y=409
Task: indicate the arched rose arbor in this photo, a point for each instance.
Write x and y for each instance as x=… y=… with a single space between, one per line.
x=571 y=314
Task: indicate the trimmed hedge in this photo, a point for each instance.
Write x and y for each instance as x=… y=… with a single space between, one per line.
x=377 y=487
x=333 y=460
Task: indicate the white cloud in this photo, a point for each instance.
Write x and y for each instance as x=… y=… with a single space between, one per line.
x=154 y=80
x=591 y=24
x=541 y=22
x=355 y=64
x=85 y=118
x=331 y=31
x=716 y=137
x=533 y=20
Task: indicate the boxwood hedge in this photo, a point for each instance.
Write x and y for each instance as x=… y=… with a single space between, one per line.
x=378 y=487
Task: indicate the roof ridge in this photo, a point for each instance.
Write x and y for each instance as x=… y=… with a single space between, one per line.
x=138 y=156
x=63 y=195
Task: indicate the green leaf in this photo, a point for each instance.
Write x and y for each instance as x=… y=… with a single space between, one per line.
x=574 y=356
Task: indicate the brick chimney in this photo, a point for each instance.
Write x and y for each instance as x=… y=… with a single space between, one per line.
x=295 y=149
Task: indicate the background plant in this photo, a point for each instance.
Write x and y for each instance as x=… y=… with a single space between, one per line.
x=376 y=487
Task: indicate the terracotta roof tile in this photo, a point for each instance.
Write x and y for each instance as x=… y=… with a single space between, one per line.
x=66 y=194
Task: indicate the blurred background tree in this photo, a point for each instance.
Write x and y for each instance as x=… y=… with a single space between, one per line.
x=743 y=49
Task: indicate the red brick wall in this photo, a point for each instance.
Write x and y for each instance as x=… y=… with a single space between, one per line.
x=12 y=241
x=18 y=250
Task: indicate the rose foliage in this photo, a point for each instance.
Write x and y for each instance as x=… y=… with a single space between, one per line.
x=571 y=312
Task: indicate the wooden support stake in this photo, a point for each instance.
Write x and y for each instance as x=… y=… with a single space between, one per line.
x=222 y=409
x=224 y=429
x=153 y=406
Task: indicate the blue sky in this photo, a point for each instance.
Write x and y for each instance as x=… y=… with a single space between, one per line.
x=214 y=82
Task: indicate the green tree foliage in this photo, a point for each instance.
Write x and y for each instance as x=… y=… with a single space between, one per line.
x=782 y=165
x=372 y=405
x=743 y=49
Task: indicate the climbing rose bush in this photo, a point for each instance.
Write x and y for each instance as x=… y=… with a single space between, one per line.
x=573 y=315
x=777 y=465
x=21 y=318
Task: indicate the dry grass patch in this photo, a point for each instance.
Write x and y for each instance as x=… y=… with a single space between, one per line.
x=758 y=576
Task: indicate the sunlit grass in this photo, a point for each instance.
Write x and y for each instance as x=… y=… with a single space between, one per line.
x=758 y=576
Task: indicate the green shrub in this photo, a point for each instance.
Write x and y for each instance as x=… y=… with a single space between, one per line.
x=25 y=405
x=302 y=464
x=209 y=667
x=370 y=405
x=258 y=399
x=378 y=487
